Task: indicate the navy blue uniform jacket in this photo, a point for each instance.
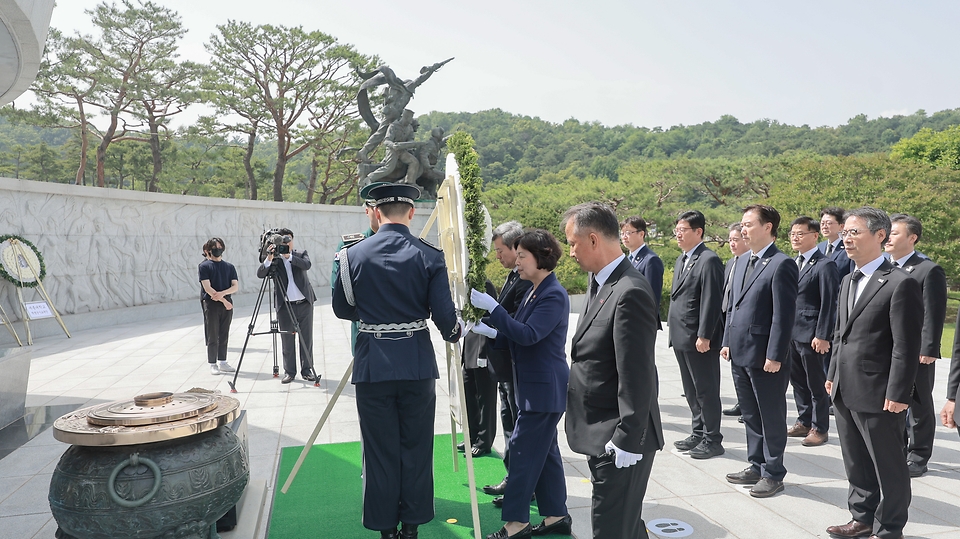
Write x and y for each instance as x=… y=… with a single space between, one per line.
x=536 y=336
x=397 y=278
x=760 y=319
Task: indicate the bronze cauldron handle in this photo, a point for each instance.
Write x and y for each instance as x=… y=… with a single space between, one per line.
x=134 y=460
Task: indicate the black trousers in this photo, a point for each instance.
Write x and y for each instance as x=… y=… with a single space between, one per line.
x=618 y=497
x=764 y=406
x=396 y=429
x=480 y=392
x=700 y=374
x=509 y=411
x=873 y=459
x=216 y=329
x=808 y=379
x=923 y=417
x=304 y=314
x=536 y=468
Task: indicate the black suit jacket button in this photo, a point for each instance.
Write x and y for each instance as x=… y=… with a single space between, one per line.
x=844 y=341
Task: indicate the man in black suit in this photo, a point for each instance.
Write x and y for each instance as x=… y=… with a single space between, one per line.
x=905 y=232
x=812 y=333
x=953 y=384
x=695 y=332
x=500 y=364
x=633 y=235
x=872 y=373
x=831 y=224
x=612 y=412
x=737 y=248
x=479 y=391
x=295 y=287
x=757 y=342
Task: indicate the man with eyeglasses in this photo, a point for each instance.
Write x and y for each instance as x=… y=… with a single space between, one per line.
x=757 y=343
x=812 y=333
x=633 y=235
x=905 y=232
x=876 y=346
x=831 y=223
x=695 y=332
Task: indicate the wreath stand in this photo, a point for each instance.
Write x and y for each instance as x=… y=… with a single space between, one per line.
x=449 y=217
x=27 y=272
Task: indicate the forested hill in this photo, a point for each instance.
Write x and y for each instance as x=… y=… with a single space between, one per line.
x=517 y=148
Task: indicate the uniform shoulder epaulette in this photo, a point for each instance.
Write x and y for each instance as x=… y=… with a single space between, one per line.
x=352 y=239
x=428 y=244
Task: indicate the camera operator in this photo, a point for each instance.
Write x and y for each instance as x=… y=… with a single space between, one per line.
x=291 y=268
x=218 y=279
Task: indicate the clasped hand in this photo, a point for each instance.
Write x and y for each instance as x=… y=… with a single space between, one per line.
x=483 y=301
x=482 y=329
x=621 y=458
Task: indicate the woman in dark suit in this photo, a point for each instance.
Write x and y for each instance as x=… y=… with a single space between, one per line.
x=536 y=336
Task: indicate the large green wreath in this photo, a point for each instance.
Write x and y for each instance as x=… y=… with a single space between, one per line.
x=461 y=144
x=13 y=278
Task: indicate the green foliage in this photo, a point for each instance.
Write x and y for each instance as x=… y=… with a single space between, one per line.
x=940 y=149
x=461 y=144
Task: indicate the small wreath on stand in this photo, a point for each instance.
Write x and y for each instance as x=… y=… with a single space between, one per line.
x=29 y=261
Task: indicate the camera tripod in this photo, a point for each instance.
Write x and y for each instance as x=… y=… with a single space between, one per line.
x=269 y=281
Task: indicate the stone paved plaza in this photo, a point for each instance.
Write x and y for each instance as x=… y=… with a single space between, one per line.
x=168 y=354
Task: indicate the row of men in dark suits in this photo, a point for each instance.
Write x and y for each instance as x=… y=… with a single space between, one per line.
x=777 y=319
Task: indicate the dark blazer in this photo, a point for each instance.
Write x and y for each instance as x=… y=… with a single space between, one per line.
x=397 y=278
x=511 y=295
x=695 y=300
x=613 y=374
x=933 y=281
x=536 y=336
x=651 y=266
x=876 y=347
x=817 y=294
x=727 y=287
x=299 y=264
x=953 y=381
x=762 y=311
x=839 y=257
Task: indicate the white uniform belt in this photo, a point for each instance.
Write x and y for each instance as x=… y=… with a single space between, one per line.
x=403 y=327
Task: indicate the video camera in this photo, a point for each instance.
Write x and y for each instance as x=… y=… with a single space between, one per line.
x=277 y=240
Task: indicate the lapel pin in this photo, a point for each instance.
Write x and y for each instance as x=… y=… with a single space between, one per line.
x=910 y=269
x=881 y=281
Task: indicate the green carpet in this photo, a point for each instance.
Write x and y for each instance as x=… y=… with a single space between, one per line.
x=325 y=499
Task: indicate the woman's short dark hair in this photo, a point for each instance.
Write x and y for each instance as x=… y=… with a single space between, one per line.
x=542 y=245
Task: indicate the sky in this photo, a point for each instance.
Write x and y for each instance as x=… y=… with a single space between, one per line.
x=632 y=61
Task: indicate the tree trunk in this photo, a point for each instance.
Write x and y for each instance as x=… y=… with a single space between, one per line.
x=84 y=143
x=155 y=151
x=312 y=184
x=248 y=166
x=102 y=149
x=280 y=169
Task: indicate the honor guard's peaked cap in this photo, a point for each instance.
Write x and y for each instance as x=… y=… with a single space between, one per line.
x=394 y=192
x=365 y=193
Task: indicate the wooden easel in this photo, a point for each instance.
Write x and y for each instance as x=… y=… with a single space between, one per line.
x=35 y=273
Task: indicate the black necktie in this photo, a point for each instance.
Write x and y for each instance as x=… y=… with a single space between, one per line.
x=830 y=248
x=683 y=263
x=852 y=293
x=896 y=264
x=594 y=286
x=749 y=270
x=800 y=261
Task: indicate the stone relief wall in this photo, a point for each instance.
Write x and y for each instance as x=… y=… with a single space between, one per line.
x=109 y=249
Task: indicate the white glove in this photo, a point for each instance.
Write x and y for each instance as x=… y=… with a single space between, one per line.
x=466 y=327
x=621 y=458
x=485 y=330
x=483 y=301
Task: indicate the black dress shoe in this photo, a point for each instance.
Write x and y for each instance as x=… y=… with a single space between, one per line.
x=286 y=379
x=688 y=443
x=496 y=490
x=744 y=477
x=502 y=533
x=310 y=377
x=740 y=419
x=766 y=487
x=561 y=527
x=389 y=534
x=479 y=451
x=733 y=410
x=461 y=448
x=916 y=469
x=409 y=531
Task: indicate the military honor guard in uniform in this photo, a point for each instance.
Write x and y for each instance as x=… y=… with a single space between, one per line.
x=391 y=283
